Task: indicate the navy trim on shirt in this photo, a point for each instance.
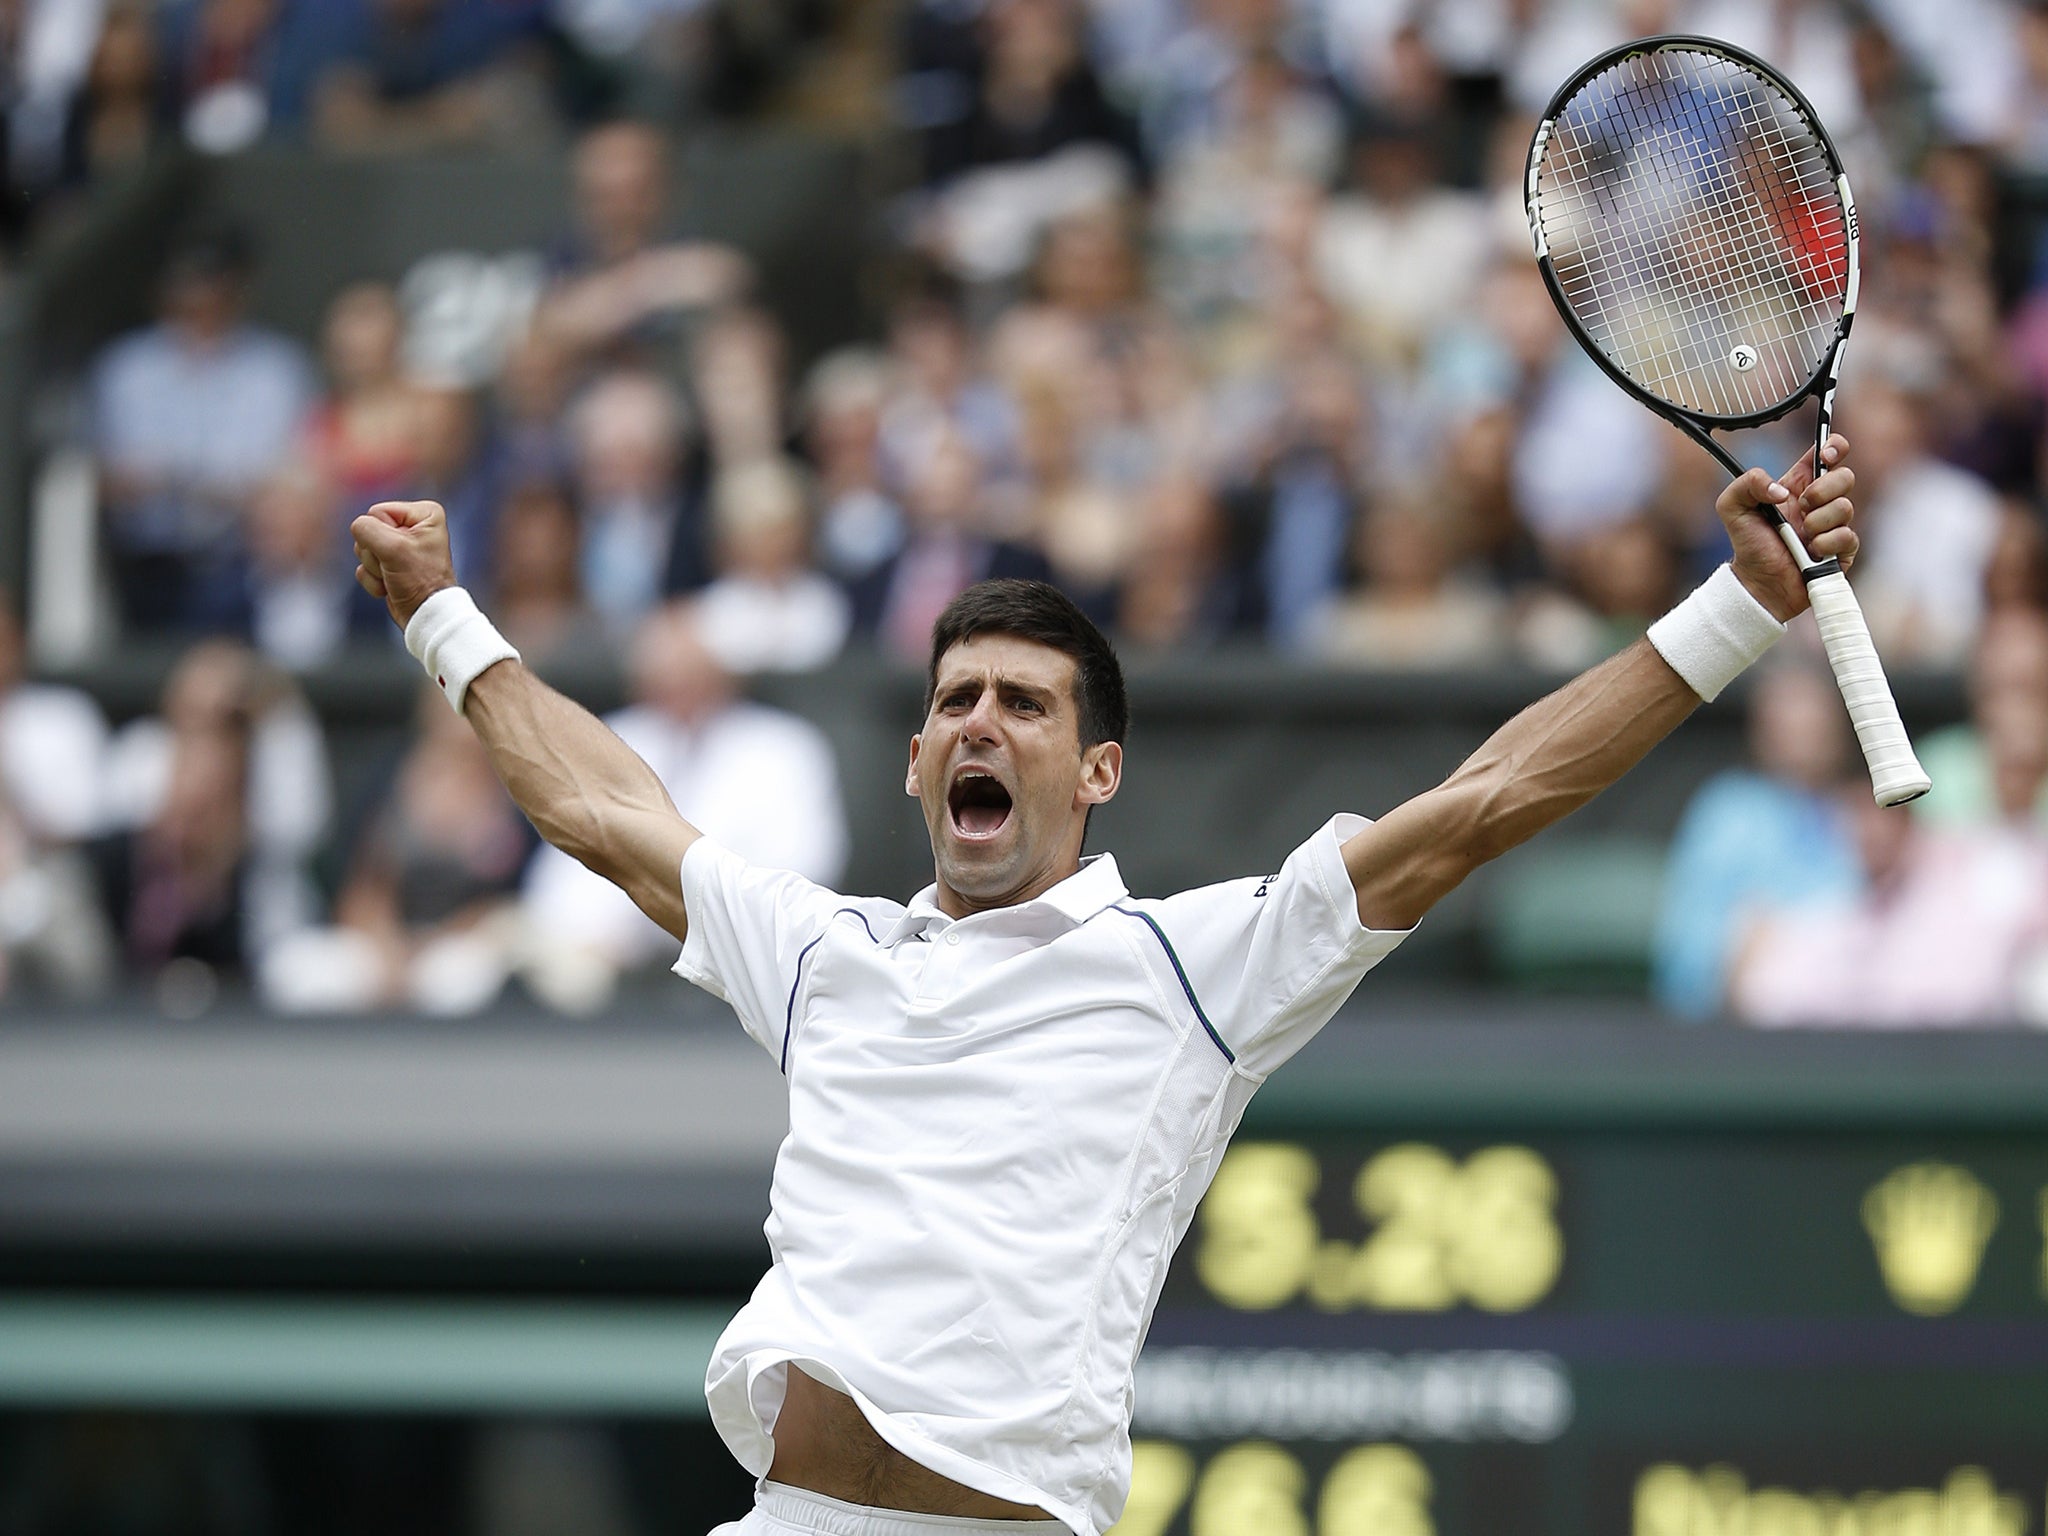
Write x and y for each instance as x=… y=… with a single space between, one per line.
x=797 y=981
x=1185 y=985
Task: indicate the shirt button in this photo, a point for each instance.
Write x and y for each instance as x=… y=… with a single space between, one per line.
x=952 y=938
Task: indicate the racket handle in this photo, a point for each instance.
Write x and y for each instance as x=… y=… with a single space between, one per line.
x=1895 y=773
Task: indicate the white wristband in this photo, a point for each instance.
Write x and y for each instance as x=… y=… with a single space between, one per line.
x=1715 y=633
x=454 y=641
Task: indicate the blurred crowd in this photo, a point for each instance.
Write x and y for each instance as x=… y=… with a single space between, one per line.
x=1218 y=313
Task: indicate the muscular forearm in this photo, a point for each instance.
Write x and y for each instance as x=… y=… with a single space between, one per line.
x=1538 y=768
x=583 y=789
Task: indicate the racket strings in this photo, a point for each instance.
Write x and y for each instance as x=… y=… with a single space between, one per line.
x=1708 y=264
x=1693 y=220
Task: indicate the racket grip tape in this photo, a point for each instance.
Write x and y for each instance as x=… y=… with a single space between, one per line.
x=1895 y=773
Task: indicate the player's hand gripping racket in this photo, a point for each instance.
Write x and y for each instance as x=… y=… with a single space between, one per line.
x=1696 y=230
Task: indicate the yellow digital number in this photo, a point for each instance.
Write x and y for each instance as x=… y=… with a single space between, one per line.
x=1259 y=1235
x=1253 y=1489
x=1505 y=1248
x=1161 y=1474
x=1377 y=1490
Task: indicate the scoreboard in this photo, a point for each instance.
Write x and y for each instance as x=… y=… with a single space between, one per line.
x=1788 y=1316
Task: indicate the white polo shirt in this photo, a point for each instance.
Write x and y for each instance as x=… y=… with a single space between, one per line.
x=999 y=1129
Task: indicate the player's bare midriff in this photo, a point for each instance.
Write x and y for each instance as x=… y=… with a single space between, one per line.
x=824 y=1443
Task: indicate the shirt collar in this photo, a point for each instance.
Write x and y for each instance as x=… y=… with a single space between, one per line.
x=1091 y=888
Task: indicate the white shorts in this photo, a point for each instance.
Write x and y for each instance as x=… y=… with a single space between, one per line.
x=784 y=1511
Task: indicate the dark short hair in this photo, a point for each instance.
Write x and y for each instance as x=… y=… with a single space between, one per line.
x=1037 y=610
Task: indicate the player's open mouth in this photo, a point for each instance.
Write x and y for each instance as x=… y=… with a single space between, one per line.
x=978 y=803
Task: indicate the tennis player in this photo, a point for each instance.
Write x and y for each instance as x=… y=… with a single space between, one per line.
x=1007 y=1097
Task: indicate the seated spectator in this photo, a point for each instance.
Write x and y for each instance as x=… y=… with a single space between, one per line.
x=1298 y=509
x=1034 y=92
x=423 y=918
x=860 y=525
x=622 y=280
x=220 y=62
x=189 y=417
x=401 y=76
x=285 y=788
x=1209 y=219
x=736 y=379
x=536 y=593
x=303 y=602
x=52 y=745
x=938 y=385
x=1401 y=253
x=121 y=111
x=1941 y=931
x=643 y=536
x=364 y=434
x=946 y=552
x=1768 y=836
x=1178 y=595
x=178 y=888
x=1929 y=529
x=2008 y=680
x=1034 y=139
x=768 y=610
x=1413 y=609
x=760 y=782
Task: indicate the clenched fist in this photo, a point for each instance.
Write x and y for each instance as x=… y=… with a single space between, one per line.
x=402 y=554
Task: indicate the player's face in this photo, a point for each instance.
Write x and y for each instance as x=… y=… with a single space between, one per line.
x=1001 y=773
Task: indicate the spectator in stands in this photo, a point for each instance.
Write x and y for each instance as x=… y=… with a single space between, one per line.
x=939 y=385
x=364 y=434
x=2008 y=682
x=121 y=111
x=1401 y=253
x=220 y=688
x=1302 y=501
x=221 y=64
x=622 y=280
x=1413 y=609
x=302 y=603
x=1940 y=931
x=401 y=76
x=52 y=747
x=1929 y=528
x=860 y=525
x=948 y=550
x=177 y=888
x=46 y=50
x=767 y=610
x=643 y=535
x=736 y=378
x=1768 y=836
x=424 y=918
x=536 y=590
x=1035 y=138
x=1276 y=133
x=763 y=783
x=189 y=417
x=1180 y=591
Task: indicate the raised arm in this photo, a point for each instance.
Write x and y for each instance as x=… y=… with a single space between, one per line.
x=1564 y=749
x=583 y=789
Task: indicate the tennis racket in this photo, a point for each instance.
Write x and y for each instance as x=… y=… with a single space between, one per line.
x=1697 y=233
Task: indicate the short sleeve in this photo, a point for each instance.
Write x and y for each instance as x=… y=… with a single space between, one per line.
x=1271 y=960
x=749 y=928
